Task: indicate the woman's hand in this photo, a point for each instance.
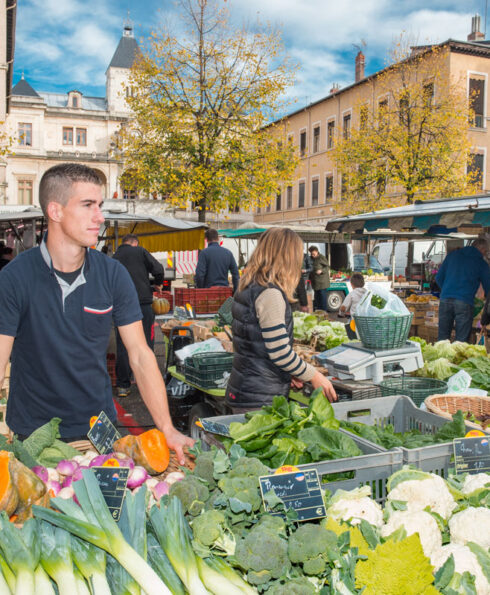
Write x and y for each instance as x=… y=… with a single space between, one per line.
x=319 y=381
x=296 y=383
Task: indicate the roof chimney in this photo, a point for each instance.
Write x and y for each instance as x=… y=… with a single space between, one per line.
x=360 y=61
x=476 y=34
x=334 y=89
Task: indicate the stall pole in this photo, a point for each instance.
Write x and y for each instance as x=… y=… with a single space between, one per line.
x=393 y=262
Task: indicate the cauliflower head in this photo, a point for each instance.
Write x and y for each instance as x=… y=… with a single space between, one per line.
x=355 y=505
x=464 y=561
x=420 y=522
x=475 y=482
x=471 y=524
x=429 y=492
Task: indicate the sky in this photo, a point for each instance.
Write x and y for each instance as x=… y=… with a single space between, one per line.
x=67 y=44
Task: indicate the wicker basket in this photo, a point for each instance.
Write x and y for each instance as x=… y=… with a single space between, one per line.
x=447 y=405
x=383 y=332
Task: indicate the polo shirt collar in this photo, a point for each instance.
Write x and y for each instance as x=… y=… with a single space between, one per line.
x=66 y=288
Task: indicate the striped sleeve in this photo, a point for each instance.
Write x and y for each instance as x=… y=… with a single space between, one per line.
x=271 y=313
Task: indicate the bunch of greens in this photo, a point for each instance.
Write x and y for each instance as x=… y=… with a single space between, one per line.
x=285 y=433
x=386 y=436
x=479 y=370
x=327 y=334
x=377 y=301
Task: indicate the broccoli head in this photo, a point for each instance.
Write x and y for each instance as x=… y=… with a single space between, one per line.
x=191 y=492
x=210 y=530
x=249 y=467
x=204 y=468
x=244 y=489
x=263 y=553
x=294 y=586
x=308 y=544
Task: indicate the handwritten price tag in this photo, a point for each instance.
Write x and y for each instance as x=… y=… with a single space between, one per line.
x=472 y=455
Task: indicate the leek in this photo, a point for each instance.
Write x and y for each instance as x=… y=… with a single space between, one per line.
x=43 y=582
x=91 y=562
x=215 y=581
x=173 y=533
x=161 y=564
x=56 y=557
x=82 y=588
x=4 y=588
x=7 y=573
x=18 y=555
x=218 y=566
x=106 y=535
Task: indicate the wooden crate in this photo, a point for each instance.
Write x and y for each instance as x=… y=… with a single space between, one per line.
x=4 y=429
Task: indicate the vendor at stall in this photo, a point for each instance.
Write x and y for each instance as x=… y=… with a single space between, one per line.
x=459 y=278
x=58 y=302
x=264 y=363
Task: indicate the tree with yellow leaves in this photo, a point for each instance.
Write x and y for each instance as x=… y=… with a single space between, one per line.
x=412 y=142
x=201 y=103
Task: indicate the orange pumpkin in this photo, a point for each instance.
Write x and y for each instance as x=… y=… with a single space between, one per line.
x=149 y=450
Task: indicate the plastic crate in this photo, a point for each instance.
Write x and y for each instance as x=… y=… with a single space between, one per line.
x=373 y=468
x=383 y=332
x=404 y=416
x=111 y=368
x=207 y=370
x=204 y=301
x=418 y=389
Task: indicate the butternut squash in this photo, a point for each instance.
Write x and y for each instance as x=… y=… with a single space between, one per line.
x=149 y=450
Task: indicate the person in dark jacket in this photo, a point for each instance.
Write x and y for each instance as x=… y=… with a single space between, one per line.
x=140 y=264
x=213 y=264
x=459 y=278
x=264 y=363
x=320 y=278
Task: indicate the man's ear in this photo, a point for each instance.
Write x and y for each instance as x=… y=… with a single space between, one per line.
x=55 y=211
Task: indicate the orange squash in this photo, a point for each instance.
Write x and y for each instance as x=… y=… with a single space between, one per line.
x=9 y=496
x=149 y=450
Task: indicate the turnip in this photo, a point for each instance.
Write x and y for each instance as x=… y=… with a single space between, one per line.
x=53 y=475
x=53 y=487
x=66 y=493
x=174 y=476
x=137 y=477
x=41 y=472
x=99 y=460
x=161 y=489
x=67 y=467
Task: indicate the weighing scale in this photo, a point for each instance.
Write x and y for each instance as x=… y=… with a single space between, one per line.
x=354 y=362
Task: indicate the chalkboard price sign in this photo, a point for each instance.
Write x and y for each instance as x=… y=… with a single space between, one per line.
x=103 y=434
x=112 y=482
x=215 y=427
x=299 y=490
x=472 y=455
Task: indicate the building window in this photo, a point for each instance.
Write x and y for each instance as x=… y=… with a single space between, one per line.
x=302 y=143
x=67 y=135
x=301 y=195
x=25 y=134
x=328 y=187
x=130 y=193
x=82 y=137
x=25 y=192
x=314 y=192
x=477 y=101
x=278 y=201
x=316 y=139
x=330 y=133
x=74 y=101
x=346 y=127
x=404 y=107
x=475 y=167
x=428 y=93
x=289 y=197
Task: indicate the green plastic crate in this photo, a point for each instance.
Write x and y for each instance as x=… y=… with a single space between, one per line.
x=383 y=332
x=418 y=389
x=208 y=370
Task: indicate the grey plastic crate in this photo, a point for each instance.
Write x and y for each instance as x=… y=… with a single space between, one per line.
x=372 y=468
x=402 y=413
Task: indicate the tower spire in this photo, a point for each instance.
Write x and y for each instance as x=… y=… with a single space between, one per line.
x=128 y=27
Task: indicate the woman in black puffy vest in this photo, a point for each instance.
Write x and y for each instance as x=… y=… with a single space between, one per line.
x=264 y=362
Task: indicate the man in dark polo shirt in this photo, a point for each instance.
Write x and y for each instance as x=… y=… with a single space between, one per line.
x=140 y=264
x=57 y=303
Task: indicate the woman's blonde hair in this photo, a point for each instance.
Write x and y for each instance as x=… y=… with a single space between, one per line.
x=277 y=259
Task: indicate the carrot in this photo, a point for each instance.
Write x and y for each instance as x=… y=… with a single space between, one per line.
x=149 y=450
x=9 y=496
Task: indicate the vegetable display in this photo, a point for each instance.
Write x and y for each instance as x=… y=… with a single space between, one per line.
x=285 y=433
x=326 y=334
x=211 y=535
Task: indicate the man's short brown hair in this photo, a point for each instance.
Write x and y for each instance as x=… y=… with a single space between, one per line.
x=211 y=235
x=313 y=249
x=57 y=181
x=357 y=280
